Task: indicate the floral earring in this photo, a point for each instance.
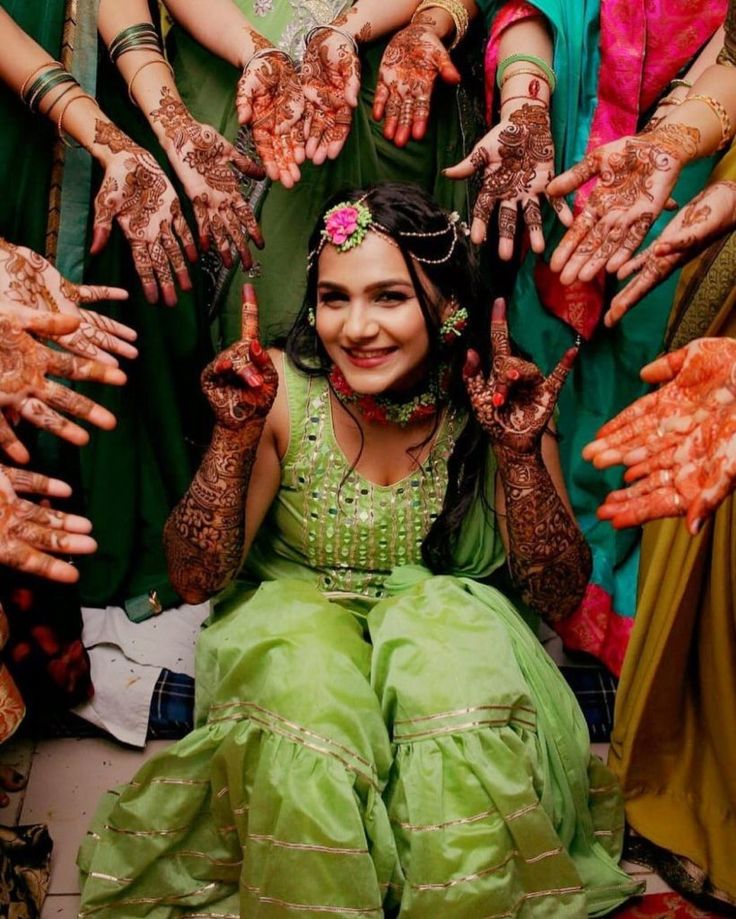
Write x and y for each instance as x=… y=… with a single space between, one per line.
x=454 y=325
x=311 y=317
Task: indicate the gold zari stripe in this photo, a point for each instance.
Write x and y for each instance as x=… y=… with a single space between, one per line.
x=454 y=728
x=291 y=724
x=430 y=827
x=310 y=908
x=283 y=844
x=466 y=711
x=142 y=901
x=552 y=892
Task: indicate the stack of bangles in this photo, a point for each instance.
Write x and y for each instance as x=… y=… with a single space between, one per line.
x=135 y=38
x=140 y=37
x=43 y=80
x=542 y=70
x=455 y=10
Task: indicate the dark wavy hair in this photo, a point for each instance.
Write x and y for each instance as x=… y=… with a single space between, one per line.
x=405 y=212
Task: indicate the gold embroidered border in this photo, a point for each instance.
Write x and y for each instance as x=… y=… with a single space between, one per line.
x=283 y=844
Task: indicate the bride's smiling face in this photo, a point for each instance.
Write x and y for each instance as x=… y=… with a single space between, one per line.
x=369 y=318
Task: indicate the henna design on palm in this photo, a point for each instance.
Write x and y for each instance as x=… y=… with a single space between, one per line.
x=205 y=163
x=413 y=60
x=679 y=442
x=137 y=194
x=516 y=160
x=330 y=79
x=270 y=100
x=635 y=177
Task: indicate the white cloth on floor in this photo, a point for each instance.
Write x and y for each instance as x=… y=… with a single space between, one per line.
x=126 y=660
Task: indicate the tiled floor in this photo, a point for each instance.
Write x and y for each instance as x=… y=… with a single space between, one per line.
x=67 y=778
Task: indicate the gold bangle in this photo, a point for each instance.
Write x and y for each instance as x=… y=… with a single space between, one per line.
x=528 y=98
x=158 y=60
x=32 y=74
x=60 y=120
x=719 y=111
x=523 y=70
x=455 y=10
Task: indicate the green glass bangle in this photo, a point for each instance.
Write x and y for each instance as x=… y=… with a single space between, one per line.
x=129 y=37
x=142 y=44
x=43 y=86
x=528 y=59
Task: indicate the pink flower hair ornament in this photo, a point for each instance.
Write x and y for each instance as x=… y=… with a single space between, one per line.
x=346 y=225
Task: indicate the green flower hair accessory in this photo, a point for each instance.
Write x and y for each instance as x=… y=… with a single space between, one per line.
x=346 y=225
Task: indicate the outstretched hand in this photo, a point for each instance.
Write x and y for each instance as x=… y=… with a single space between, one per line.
x=330 y=79
x=271 y=101
x=514 y=403
x=679 y=443
x=414 y=58
x=27 y=279
x=241 y=382
x=28 y=532
x=635 y=176
x=710 y=215
x=136 y=193
x=24 y=388
x=516 y=160
x=207 y=166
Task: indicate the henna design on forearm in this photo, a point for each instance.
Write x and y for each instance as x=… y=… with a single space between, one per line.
x=549 y=559
x=204 y=535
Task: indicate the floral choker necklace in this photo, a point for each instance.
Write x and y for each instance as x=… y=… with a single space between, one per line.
x=386 y=409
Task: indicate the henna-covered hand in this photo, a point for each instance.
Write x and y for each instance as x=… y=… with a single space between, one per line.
x=204 y=535
x=29 y=532
x=28 y=280
x=690 y=479
x=25 y=389
x=660 y=436
x=411 y=63
x=548 y=556
x=206 y=163
x=241 y=382
x=330 y=79
x=635 y=176
x=514 y=403
x=271 y=101
x=137 y=194
x=516 y=159
x=710 y=215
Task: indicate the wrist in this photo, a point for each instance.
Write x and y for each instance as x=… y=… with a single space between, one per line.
x=438 y=21
x=253 y=44
x=241 y=437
